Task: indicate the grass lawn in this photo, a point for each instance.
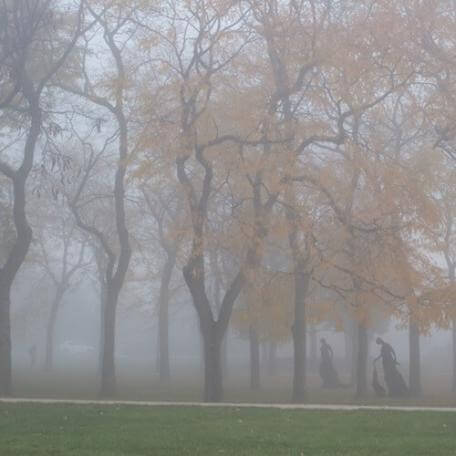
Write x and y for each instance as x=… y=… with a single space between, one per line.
x=51 y=430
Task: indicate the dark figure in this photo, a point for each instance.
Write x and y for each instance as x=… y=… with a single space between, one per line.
x=393 y=378
x=327 y=372
x=32 y=354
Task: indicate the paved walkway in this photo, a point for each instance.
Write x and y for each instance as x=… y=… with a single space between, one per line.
x=225 y=404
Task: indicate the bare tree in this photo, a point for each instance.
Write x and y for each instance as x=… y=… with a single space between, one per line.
x=27 y=65
x=166 y=209
x=62 y=256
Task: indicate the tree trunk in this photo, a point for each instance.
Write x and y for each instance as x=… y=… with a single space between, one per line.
x=313 y=347
x=272 y=357
x=103 y=296
x=454 y=356
x=50 y=330
x=163 y=321
x=115 y=280
x=212 y=330
x=301 y=282
x=5 y=345
x=213 y=383
x=263 y=353
x=254 y=359
x=225 y=355
x=414 y=360
x=361 y=361
x=353 y=347
x=23 y=240
x=301 y=279
x=451 y=274
x=108 y=373
x=348 y=352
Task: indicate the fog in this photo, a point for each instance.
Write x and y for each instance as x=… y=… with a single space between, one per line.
x=228 y=201
x=76 y=370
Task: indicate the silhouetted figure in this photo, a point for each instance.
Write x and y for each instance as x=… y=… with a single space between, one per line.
x=32 y=355
x=327 y=372
x=393 y=378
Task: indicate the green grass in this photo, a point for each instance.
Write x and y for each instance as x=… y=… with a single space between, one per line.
x=52 y=430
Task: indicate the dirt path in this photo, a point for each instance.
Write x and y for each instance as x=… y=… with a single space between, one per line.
x=225 y=404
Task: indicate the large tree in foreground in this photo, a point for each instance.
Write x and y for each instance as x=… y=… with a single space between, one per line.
x=35 y=41
x=201 y=65
x=111 y=96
